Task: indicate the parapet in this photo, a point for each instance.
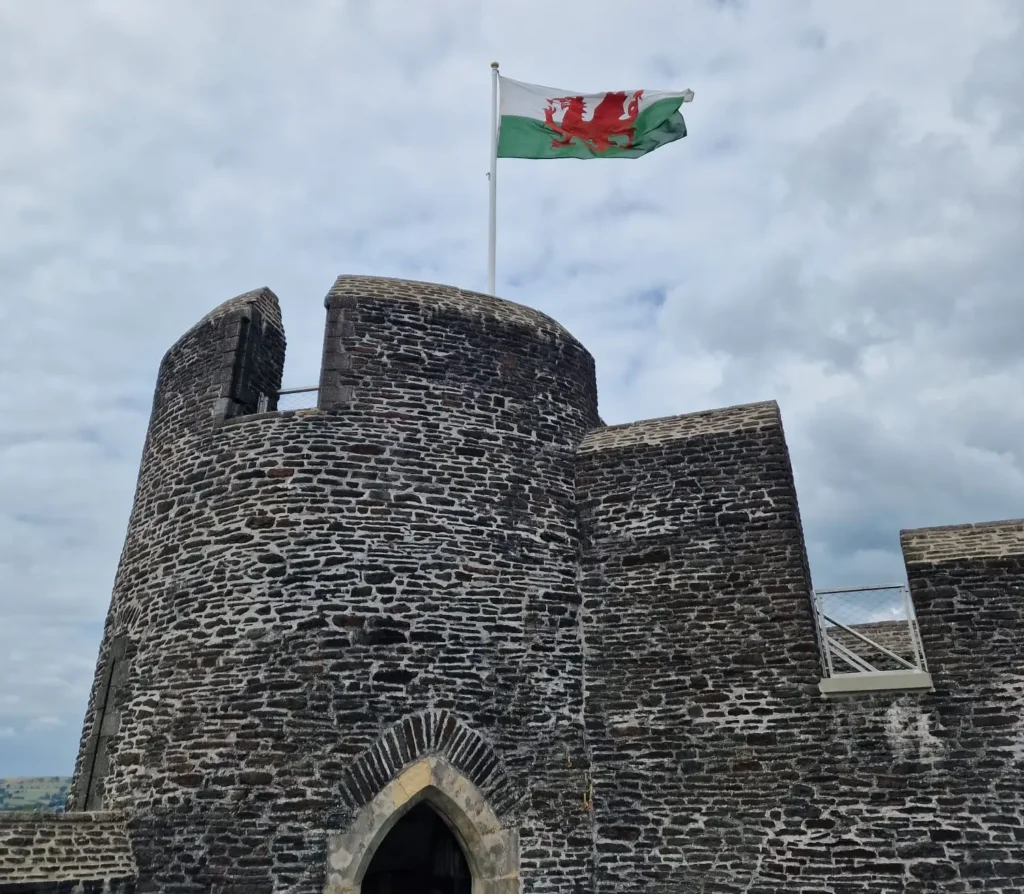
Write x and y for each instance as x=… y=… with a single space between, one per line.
x=667 y=429
x=389 y=345
x=692 y=556
x=987 y=540
x=349 y=290
x=229 y=363
x=262 y=300
x=710 y=474
x=967 y=583
x=401 y=348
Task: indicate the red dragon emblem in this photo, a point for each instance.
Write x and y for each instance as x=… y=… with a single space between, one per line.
x=613 y=117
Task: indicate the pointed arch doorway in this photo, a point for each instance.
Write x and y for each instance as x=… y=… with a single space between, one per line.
x=364 y=859
x=420 y=855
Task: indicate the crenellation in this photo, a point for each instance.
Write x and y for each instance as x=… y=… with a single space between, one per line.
x=667 y=429
x=350 y=292
x=591 y=648
x=999 y=539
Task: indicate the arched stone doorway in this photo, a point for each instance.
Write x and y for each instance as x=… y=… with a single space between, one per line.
x=427 y=789
x=420 y=855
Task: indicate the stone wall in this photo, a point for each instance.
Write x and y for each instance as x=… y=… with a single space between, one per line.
x=79 y=852
x=717 y=766
x=967 y=582
x=700 y=649
x=605 y=632
x=193 y=394
x=295 y=585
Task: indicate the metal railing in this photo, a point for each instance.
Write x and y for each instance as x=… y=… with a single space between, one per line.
x=292 y=399
x=869 y=630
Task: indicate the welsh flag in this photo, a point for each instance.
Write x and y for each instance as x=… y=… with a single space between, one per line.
x=542 y=122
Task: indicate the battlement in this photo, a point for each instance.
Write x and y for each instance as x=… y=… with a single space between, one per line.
x=967 y=583
x=986 y=540
x=382 y=336
x=350 y=291
x=664 y=430
x=391 y=344
x=714 y=475
x=241 y=306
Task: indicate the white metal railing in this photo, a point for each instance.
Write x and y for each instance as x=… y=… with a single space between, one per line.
x=869 y=630
x=292 y=399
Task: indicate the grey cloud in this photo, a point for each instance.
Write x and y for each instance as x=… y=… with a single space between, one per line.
x=994 y=83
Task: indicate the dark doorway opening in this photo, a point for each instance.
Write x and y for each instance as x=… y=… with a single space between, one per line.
x=420 y=855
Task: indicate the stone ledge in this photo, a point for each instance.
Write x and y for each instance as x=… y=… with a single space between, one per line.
x=882 y=681
x=985 y=540
x=666 y=429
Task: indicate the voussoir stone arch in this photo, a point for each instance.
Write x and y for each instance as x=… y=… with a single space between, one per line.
x=425 y=734
x=491 y=849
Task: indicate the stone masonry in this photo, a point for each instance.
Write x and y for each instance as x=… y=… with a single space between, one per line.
x=591 y=648
x=75 y=852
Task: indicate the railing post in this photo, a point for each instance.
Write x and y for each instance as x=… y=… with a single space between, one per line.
x=826 y=644
x=915 y=633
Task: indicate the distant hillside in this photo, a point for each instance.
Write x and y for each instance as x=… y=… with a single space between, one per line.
x=34 y=792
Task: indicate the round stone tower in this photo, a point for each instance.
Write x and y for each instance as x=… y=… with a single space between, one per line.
x=326 y=619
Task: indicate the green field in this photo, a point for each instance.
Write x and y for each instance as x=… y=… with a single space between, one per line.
x=33 y=792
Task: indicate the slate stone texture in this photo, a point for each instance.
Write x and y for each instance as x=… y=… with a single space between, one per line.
x=89 y=852
x=607 y=630
x=295 y=584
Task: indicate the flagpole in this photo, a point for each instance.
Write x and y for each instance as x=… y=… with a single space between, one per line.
x=493 y=178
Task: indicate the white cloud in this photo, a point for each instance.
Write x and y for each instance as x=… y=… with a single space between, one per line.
x=46 y=721
x=841 y=231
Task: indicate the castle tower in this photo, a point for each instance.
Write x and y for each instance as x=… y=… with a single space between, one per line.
x=448 y=630
x=323 y=617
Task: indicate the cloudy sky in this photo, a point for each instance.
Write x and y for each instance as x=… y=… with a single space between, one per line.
x=842 y=231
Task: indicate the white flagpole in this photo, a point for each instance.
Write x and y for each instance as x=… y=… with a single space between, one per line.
x=493 y=177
